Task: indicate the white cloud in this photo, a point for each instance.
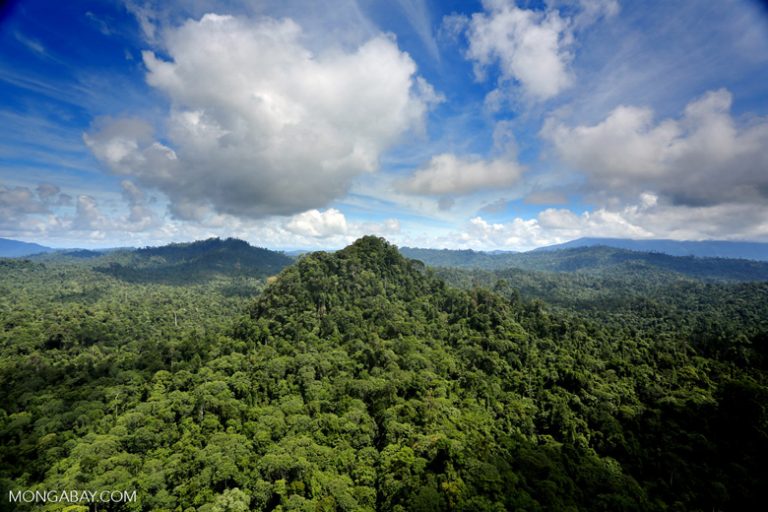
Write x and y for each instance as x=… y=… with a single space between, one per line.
x=140 y=216
x=647 y=217
x=516 y=234
x=18 y=201
x=88 y=216
x=530 y=47
x=448 y=174
x=259 y=124
x=318 y=224
x=586 y=12
x=703 y=158
x=22 y=208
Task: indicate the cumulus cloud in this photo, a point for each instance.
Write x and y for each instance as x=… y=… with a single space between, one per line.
x=318 y=224
x=529 y=47
x=532 y=48
x=140 y=215
x=88 y=216
x=516 y=234
x=702 y=158
x=259 y=124
x=47 y=211
x=20 y=200
x=47 y=191
x=645 y=217
x=448 y=174
x=22 y=206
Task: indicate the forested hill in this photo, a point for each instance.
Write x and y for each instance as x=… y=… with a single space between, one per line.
x=194 y=262
x=15 y=248
x=459 y=258
x=469 y=401
x=600 y=260
x=358 y=380
x=703 y=249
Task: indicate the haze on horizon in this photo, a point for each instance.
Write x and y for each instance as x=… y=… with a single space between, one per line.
x=494 y=125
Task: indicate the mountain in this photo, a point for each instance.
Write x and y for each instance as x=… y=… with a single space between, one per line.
x=601 y=260
x=705 y=249
x=194 y=262
x=598 y=260
x=15 y=248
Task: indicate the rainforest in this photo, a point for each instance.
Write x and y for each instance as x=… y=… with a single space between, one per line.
x=216 y=376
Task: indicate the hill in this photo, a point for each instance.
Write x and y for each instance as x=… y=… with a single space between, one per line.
x=423 y=358
x=359 y=380
x=193 y=262
x=598 y=260
x=703 y=249
x=466 y=258
x=16 y=249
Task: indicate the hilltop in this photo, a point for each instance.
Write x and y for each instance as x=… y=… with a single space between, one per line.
x=194 y=262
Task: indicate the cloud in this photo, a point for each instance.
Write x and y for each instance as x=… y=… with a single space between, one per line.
x=318 y=224
x=140 y=216
x=448 y=174
x=703 y=158
x=32 y=44
x=498 y=206
x=645 y=217
x=147 y=17
x=88 y=216
x=516 y=234
x=445 y=203
x=259 y=124
x=20 y=201
x=585 y=12
x=539 y=197
x=418 y=16
x=530 y=47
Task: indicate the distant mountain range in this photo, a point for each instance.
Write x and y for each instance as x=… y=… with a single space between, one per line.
x=16 y=249
x=703 y=249
x=597 y=260
x=231 y=256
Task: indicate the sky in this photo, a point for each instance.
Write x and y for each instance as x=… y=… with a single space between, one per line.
x=490 y=125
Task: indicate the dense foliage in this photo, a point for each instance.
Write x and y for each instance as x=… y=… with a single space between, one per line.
x=360 y=380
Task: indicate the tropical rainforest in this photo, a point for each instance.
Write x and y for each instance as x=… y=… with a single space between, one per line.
x=215 y=376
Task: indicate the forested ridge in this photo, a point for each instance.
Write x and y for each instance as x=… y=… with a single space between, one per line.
x=598 y=261
x=361 y=380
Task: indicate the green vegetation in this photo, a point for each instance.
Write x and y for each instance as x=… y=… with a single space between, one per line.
x=361 y=380
x=193 y=262
x=598 y=261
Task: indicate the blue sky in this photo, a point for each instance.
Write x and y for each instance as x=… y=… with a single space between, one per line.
x=487 y=125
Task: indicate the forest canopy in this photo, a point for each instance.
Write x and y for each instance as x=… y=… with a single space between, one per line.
x=363 y=380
